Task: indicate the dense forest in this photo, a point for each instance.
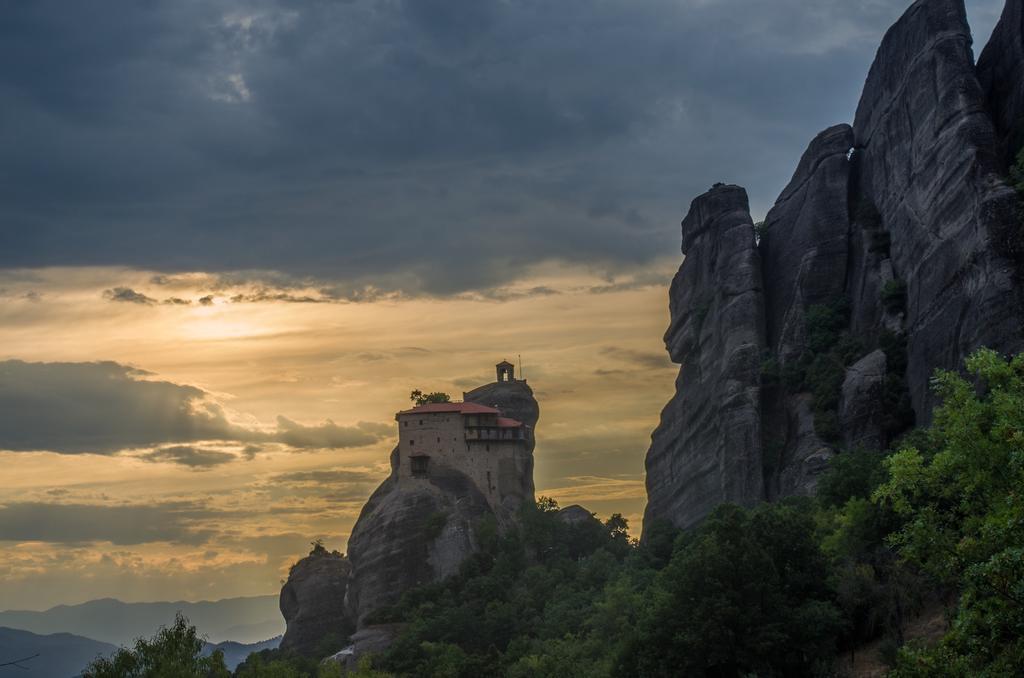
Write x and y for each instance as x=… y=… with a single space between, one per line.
x=784 y=589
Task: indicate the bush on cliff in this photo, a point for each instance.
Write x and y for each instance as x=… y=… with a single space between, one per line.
x=960 y=502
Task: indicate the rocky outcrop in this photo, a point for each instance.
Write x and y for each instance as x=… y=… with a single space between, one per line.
x=897 y=240
x=806 y=241
x=313 y=603
x=1001 y=73
x=368 y=640
x=805 y=251
x=927 y=159
x=860 y=415
x=409 y=534
x=577 y=515
x=707 y=448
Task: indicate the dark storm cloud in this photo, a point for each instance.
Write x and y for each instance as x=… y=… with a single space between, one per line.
x=419 y=145
x=105 y=407
x=128 y=295
x=196 y=458
x=122 y=525
x=638 y=359
x=330 y=434
x=326 y=476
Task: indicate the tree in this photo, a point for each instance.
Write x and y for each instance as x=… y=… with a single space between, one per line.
x=963 y=518
x=745 y=594
x=420 y=398
x=174 y=652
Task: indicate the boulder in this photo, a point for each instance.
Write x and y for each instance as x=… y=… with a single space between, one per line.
x=861 y=402
x=410 y=536
x=313 y=603
x=805 y=457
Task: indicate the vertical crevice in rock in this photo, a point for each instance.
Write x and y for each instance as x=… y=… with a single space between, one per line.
x=805 y=249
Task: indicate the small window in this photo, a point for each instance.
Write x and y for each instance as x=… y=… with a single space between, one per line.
x=419 y=466
x=405 y=423
x=487 y=448
x=421 y=422
x=411 y=443
x=438 y=438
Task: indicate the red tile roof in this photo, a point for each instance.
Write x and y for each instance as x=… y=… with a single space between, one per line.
x=461 y=408
x=505 y=422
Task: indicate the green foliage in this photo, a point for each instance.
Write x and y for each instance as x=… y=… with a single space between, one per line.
x=867 y=214
x=825 y=323
x=1009 y=236
x=418 y=397
x=776 y=590
x=760 y=231
x=963 y=519
x=744 y=595
x=1017 y=173
x=278 y=664
x=822 y=367
x=897 y=411
x=825 y=382
x=852 y=475
x=545 y=599
x=821 y=370
x=174 y=652
x=894 y=296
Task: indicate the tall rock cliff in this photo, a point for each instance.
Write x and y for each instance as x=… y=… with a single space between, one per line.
x=928 y=160
x=707 y=449
x=894 y=251
x=410 y=534
x=999 y=69
x=805 y=248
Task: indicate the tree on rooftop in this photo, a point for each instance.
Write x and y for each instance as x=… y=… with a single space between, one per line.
x=420 y=398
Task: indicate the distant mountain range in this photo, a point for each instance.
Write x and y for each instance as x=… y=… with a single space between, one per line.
x=235 y=653
x=242 y=620
x=60 y=655
x=64 y=655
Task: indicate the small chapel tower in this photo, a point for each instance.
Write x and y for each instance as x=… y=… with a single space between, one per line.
x=506 y=371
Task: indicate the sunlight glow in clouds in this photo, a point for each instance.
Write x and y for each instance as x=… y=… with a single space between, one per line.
x=221 y=516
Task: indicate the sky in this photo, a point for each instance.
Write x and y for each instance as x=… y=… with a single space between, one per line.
x=235 y=234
